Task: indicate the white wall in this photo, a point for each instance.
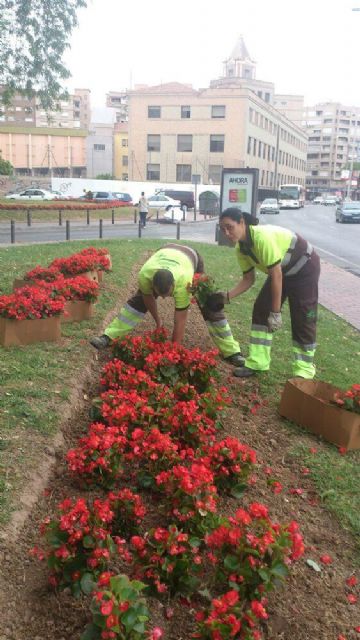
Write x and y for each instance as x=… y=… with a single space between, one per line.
x=75 y=187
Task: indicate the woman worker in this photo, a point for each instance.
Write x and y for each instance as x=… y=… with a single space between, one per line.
x=293 y=270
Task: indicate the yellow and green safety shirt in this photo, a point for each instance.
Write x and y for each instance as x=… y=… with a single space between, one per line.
x=264 y=247
x=180 y=266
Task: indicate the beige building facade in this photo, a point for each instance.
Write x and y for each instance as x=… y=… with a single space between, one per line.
x=44 y=152
x=39 y=143
x=176 y=132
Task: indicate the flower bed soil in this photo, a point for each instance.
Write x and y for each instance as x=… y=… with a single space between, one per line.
x=311 y=606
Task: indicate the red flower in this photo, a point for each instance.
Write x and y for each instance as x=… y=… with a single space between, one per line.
x=326 y=559
x=352 y=598
x=351 y=581
x=106 y=607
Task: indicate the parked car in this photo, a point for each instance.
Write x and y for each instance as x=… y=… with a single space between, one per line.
x=330 y=201
x=124 y=198
x=348 y=212
x=103 y=196
x=317 y=200
x=33 y=194
x=186 y=197
x=161 y=201
x=269 y=205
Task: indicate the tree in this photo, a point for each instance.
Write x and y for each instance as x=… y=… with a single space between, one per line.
x=6 y=168
x=104 y=176
x=34 y=35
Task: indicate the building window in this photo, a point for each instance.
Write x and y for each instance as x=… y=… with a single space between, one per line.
x=259 y=148
x=186 y=111
x=99 y=147
x=249 y=145
x=154 y=112
x=153 y=142
x=184 y=143
x=125 y=176
x=218 y=111
x=125 y=161
x=153 y=172
x=183 y=173
x=254 y=147
x=267 y=97
x=215 y=173
x=217 y=143
x=124 y=142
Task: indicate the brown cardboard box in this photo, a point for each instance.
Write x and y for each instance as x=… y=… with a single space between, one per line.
x=77 y=311
x=22 y=332
x=308 y=403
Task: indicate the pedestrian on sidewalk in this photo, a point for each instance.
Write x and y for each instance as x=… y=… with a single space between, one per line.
x=293 y=269
x=143 y=209
x=169 y=273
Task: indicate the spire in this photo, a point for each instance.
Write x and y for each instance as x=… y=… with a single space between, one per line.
x=239 y=64
x=240 y=51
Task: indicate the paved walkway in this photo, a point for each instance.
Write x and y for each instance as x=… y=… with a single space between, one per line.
x=339 y=291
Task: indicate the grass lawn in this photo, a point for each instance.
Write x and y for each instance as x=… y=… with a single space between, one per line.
x=52 y=215
x=36 y=380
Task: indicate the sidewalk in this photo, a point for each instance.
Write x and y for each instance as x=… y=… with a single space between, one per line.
x=339 y=291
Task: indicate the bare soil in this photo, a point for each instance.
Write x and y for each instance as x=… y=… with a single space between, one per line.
x=311 y=606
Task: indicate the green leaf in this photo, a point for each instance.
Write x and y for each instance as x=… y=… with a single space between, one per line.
x=238 y=490
x=129 y=619
x=313 y=565
x=231 y=563
x=205 y=593
x=87 y=583
x=88 y=542
x=91 y=632
x=279 y=570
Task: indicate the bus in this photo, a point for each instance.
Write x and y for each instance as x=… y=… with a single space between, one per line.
x=291 y=196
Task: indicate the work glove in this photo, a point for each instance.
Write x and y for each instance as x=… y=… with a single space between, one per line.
x=274 y=321
x=216 y=301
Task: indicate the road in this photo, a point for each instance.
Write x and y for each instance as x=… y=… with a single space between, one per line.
x=336 y=243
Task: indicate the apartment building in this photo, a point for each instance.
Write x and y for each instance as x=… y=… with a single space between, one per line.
x=118 y=100
x=334 y=144
x=334 y=140
x=176 y=132
x=46 y=144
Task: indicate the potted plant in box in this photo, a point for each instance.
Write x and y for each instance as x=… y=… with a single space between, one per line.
x=31 y=314
x=80 y=294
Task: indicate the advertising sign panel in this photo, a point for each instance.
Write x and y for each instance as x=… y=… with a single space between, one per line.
x=239 y=188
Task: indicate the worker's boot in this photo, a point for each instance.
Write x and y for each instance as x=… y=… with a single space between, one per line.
x=236 y=359
x=100 y=342
x=244 y=372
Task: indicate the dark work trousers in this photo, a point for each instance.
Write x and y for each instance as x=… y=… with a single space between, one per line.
x=301 y=290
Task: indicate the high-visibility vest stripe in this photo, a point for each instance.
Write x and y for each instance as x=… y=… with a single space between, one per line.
x=304 y=357
x=133 y=311
x=267 y=342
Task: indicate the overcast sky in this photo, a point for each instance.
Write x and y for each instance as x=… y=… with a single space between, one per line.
x=309 y=47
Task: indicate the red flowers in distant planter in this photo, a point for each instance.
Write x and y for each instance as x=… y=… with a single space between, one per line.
x=80 y=263
x=47 y=274
x=77 y=288
x=56 y=205
x=29 y=303
x=350 y=399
